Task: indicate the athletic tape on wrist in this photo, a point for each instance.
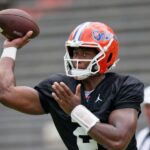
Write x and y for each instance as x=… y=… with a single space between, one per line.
x=84 y=117
x=9 y=52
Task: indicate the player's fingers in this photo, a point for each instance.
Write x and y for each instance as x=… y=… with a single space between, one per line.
x=27 y=37
x=66 y=89
x=78 y=90
x=5 y=42
x=59 y=90
x=58 y=100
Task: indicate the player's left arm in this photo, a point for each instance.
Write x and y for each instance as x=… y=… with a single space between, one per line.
x=120 y=130
x=115 y=135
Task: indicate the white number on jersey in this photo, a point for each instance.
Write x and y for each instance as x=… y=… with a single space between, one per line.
x=84 y=142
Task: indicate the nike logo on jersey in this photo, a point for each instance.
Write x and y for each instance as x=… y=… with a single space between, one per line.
x=98 y=99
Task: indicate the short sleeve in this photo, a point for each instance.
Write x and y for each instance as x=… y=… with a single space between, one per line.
x=130 y=94
x=44 y=90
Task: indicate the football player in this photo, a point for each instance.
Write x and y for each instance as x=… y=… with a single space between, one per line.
x=92 y=108
x=143 y=136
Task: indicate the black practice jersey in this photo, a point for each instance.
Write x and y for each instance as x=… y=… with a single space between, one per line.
x=114 y=92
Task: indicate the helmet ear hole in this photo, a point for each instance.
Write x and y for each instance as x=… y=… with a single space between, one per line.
x=94 y=68
x=109 y=58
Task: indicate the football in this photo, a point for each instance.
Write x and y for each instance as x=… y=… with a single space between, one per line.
x=15 y=23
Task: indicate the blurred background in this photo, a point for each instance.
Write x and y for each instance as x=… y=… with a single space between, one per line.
x=43 y=56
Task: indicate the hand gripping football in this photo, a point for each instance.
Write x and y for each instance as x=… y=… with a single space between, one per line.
x=15 y=23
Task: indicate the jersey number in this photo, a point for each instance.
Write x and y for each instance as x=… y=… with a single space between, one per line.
x=84 y=142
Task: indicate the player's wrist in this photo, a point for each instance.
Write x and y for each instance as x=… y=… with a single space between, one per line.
x=9 y=52
x=84 y=117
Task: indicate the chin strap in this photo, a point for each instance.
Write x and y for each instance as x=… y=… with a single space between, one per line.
x=80 y=74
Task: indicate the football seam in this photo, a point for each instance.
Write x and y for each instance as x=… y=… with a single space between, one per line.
x=25 y=18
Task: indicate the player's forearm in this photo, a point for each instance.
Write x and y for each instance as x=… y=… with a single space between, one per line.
x=109 y=136
x=115 y=135
x=7 y=65
x=7 y=78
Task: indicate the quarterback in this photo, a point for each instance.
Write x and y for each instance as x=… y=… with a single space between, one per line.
x=92 y=108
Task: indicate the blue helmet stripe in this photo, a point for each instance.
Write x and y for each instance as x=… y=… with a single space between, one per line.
x=79 y=31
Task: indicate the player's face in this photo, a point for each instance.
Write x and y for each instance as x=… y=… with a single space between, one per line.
x=147 y=112
x=84 y=55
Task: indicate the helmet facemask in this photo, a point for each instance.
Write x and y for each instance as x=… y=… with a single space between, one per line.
x=93 y=67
